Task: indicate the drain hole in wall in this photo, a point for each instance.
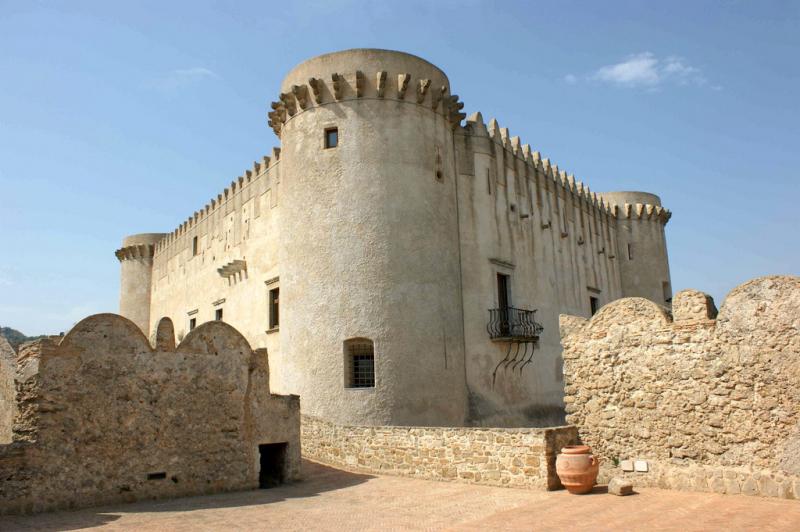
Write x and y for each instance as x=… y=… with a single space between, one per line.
x=161 y=475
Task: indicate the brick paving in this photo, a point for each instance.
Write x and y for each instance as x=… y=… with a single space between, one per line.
x=330 y=499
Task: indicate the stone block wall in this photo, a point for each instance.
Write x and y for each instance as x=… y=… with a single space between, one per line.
x=523 y=458
x=104 y=417
x=711 y=402
x=7 y=404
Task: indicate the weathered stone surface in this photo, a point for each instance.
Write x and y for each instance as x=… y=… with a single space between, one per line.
x=103 y=417
x=8 y=407
x=620 y=486
x=523 y=458
x=699 y=398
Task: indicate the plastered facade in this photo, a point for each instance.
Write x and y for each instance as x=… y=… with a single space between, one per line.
x=397 y=235
x=104 y=416
x=711 y=402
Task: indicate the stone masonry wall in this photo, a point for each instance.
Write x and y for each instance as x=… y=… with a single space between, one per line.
x=104 y=417
x=711 y=402
x=7 y=404
x=523 y=458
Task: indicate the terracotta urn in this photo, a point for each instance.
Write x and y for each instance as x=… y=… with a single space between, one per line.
x=577 y=468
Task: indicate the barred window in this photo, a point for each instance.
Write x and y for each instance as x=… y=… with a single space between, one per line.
x=359 y=363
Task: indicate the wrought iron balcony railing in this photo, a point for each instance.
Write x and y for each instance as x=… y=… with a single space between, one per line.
x=513 y=324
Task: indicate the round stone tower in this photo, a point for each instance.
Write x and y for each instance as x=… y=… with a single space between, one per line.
x=136 y=272
x=369 y=252
x=642 y=245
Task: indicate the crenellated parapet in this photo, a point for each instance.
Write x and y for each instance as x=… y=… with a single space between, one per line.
x=552 y=176
x=366 y=84
x=237 y=186
x=138 y=251
x=640 y=211
x=138 y=247
x=560 y=179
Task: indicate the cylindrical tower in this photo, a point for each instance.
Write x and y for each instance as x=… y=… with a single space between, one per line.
x=369 y=247
x=136 y=272
x=642 y=245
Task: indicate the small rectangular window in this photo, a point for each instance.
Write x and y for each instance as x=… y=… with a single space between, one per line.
x=192 y=323
x=630 y=252
x=594 y=304
x=360 y=363
x=194 y=247
x=218 y=314
x=331 y=137
x=273 y=307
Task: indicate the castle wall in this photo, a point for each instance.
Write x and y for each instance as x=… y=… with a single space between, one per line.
x=523 y=218
x=369 y=239
x=710 y=402
x=240 y=224
x=104 y=417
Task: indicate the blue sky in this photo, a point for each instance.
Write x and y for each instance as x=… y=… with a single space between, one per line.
x=120 y=118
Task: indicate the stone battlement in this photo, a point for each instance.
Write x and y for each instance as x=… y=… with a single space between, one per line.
x=559 y=178
x=709 y=400
x=238 y=186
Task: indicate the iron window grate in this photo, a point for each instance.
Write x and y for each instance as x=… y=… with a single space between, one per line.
x=362 y=365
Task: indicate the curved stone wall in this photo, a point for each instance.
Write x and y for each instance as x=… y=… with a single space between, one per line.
x=104 y=417
x=369 y=240
x=710 y=402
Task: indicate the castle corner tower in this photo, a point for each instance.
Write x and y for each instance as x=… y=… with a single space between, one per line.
x=136 y=273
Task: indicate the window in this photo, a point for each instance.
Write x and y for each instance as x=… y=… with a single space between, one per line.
x=218 y=314
x=503 y=302
x=594 y=304
x=630 y=252
x=194 y=247
x=273 y=308
x=192 y=323
x=359 y=363
x=503 y=292
x=331 y=137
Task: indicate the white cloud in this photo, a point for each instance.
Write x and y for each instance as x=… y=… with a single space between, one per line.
x=646 y=70
x=639 y=69
x=183 y=76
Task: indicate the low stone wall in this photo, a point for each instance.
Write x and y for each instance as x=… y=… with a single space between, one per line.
x=523 y=458
x=710 y=402
x=105 y=417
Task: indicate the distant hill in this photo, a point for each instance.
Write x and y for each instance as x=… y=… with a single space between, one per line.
x=16 y=338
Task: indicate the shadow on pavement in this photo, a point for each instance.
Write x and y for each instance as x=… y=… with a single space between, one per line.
x=316 y=479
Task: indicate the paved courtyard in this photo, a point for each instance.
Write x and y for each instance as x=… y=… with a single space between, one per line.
x=330 y=499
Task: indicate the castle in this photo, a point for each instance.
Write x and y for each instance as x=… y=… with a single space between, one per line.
x=399 y=267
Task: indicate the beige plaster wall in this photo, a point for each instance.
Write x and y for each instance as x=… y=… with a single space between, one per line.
x=523 y=458
x=520 y=218
x=644 y=272
x=369 y=244
x=136 y=273
x=709 y=401
x=241 y=223
x=102 y=410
